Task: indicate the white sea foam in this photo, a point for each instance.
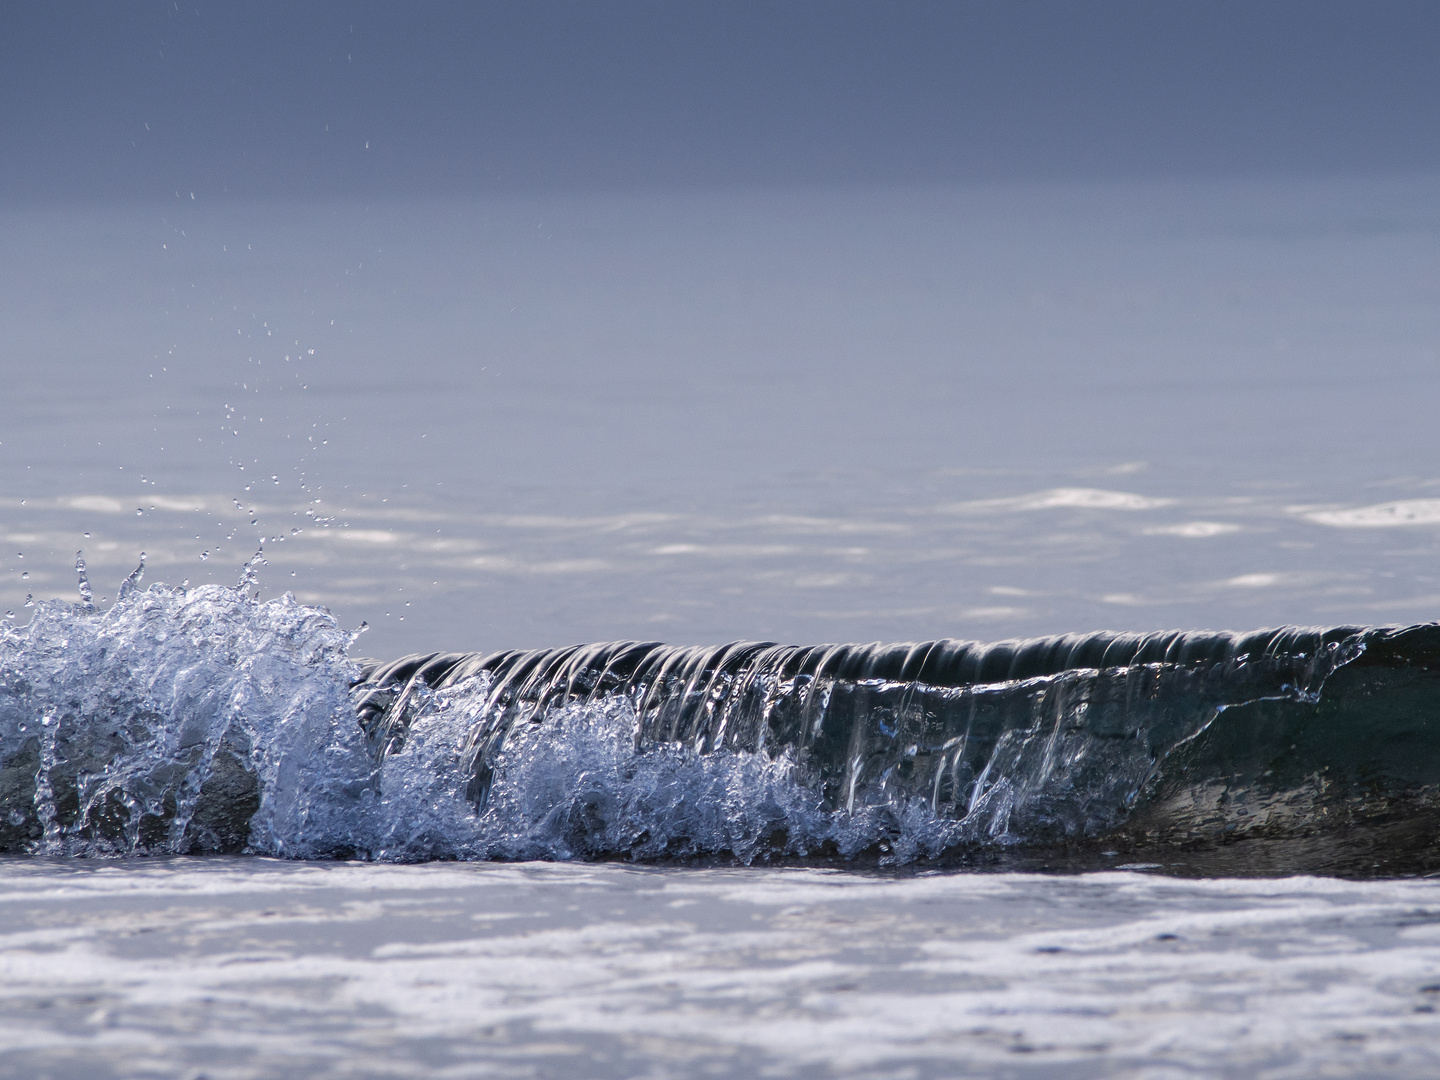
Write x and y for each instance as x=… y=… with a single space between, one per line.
x=265 y=969
x=1194 y=530
x=1380 y=516
x=1066 y=498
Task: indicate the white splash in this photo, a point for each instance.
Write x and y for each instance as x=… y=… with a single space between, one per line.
x=191 y=720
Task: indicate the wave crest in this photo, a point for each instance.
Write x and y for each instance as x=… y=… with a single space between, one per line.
x=203 y=720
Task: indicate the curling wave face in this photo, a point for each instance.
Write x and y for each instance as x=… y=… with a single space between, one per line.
x=204 y=720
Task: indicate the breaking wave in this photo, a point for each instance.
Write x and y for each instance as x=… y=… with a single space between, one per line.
x=204 y=720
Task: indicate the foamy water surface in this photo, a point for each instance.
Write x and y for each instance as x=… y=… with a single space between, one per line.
x=251 y=968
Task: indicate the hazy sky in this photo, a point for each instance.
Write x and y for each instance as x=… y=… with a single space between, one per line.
x=142 y=99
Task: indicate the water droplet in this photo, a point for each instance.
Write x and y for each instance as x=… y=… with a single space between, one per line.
x=87 y=536
x=204 y=555
x=24 y=575
x=250 y=572
x=87 y=598
x=132 y=583
x=138 y=511
x=29 y=600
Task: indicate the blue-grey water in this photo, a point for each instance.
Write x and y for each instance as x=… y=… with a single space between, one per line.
x=800 y=416
x=806 y=416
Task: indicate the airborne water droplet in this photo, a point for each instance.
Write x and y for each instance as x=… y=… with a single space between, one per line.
x=132 y=583
x=250 y=572
x=204 y=555
x=87 y=598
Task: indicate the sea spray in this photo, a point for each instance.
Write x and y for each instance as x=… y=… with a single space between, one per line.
x=176 y=720
x=193 y=720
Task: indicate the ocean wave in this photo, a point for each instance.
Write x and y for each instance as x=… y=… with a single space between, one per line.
x=199 y=720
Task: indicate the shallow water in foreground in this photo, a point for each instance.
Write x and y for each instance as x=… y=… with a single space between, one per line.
x=239 y=968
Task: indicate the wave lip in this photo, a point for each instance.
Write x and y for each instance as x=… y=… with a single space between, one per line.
x=1175 y=740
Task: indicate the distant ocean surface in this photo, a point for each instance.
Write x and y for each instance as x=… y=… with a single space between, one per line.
x=1124 y=497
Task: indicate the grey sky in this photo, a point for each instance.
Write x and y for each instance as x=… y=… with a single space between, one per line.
x=268 y=98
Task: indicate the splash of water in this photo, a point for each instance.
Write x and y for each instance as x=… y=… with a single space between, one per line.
x=87 y=597
x=193 y=720
x=176 y=720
